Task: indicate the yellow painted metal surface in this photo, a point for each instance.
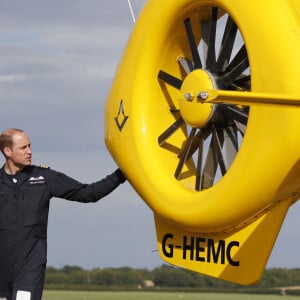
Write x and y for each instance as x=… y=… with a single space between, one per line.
x=238 y=255
x=263 y=179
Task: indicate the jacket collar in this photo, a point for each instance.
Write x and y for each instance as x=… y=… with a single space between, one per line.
x=22 y=175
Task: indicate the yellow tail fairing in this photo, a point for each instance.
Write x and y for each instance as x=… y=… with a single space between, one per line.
x=209 y=168
x=238 y=256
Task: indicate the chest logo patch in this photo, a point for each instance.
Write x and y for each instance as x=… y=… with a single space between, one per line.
x=36 y=180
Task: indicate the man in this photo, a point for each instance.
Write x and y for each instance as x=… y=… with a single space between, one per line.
x=25 y=193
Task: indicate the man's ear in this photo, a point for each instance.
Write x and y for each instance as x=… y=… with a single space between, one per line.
x=7 y=151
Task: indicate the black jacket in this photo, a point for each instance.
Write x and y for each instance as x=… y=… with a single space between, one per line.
x=24 y=207
x=25 y=204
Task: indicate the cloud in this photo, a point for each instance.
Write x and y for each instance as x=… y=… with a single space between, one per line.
x=12 y=78
x=58 y=61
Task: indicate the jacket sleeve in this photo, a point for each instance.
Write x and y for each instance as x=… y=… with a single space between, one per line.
x=65 y=187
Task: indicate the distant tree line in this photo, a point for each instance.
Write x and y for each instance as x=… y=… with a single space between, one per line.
x=163 y=277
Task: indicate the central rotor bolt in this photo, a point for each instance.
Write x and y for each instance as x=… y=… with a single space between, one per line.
x=188 y=96
x=203 y=95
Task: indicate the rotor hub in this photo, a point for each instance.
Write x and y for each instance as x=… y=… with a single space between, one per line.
x=195 y=113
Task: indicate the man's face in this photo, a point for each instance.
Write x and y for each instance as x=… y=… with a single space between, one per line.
x=20 y=153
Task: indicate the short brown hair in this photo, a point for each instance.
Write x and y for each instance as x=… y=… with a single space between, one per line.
x=6 y=137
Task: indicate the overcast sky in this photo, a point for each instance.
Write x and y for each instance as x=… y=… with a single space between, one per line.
x=58 y=59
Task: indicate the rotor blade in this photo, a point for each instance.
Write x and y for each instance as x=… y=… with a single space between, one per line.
x=169 y=131
x=184 y=155
x=227 y=45
x=243 y=79
x=186 y=64
x=201 y=135
x=210 y=167
x=218 y=139
x=240 y=56
x=240 y=127
x=230 y=135
x=170 y=79
x=233 y=113
x=209 y=38
x=236 y=71
x=199 y=163
x=231 y=144
x=244 y=82
x=192 y=43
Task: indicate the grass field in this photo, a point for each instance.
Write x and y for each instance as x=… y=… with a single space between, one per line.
x=69 y=295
